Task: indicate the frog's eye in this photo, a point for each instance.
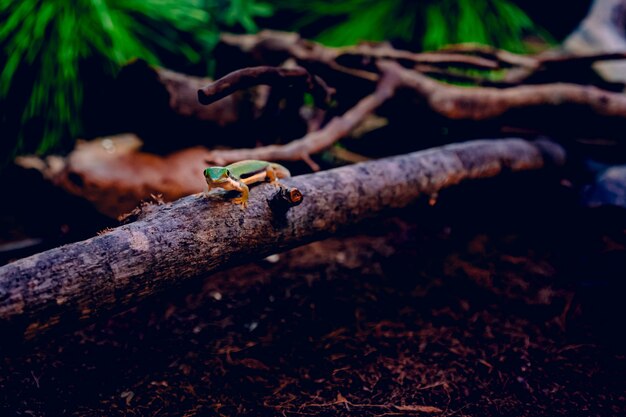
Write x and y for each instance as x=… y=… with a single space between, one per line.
x=225 y=173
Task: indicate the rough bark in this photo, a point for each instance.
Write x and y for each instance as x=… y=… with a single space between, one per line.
x=196 y=235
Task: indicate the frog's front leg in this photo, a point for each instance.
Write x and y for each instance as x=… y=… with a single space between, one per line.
x=245 y=191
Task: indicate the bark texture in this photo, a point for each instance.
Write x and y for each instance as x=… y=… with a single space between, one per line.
x=196 y=235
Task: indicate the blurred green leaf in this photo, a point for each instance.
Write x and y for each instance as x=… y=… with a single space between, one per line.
x=426 y=24
x=45 y=44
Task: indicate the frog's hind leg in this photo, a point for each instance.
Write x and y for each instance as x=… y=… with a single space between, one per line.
x=271 y=176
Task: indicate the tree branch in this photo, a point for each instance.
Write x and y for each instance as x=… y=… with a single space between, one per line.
x=269 y=47
x=273 y=76
x=314 y=142
x=484 y=103
x=550 y=103
x=276 y=47
x=196 y=235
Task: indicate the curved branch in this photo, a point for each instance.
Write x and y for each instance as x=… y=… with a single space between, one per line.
x=367 y=52
x=273 y=76
x=502 y=57
x=278 y=46
x=451 y=102
x=484 y=103
x=195 y=235
x=359 y=62
x=301 y=149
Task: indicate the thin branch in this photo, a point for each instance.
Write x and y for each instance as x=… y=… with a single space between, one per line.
x=314 y=142
x=264 y=75
x=276 y=46
x=502 y=57
x=584 y=60
x=360 y=61
x=367 y=52
x=484 y=103
x=451 y=102
x=195 y=236
x=461 y=77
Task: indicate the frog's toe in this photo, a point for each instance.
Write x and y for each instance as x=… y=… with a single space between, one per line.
x=241 y=201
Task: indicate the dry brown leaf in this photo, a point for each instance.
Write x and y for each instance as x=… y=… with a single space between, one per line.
x=115 y=176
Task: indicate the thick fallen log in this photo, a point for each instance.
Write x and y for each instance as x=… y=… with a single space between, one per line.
x=197 y=235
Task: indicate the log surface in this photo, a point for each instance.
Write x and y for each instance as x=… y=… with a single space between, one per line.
x=196 y=235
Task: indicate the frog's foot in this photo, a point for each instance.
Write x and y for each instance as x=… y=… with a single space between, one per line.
x=242 y=201
x=272 y=177
x=275 y=182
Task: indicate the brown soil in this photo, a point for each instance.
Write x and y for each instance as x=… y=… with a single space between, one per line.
x=513 y=308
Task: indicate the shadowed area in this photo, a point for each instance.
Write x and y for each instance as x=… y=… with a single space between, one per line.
x=510 y=308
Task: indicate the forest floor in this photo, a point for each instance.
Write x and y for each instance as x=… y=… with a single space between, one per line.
x=501 y=300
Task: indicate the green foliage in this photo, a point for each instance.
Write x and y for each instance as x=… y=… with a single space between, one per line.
x=427 y=24
x=243 y=12
x=354 y=20
x=46 y=46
